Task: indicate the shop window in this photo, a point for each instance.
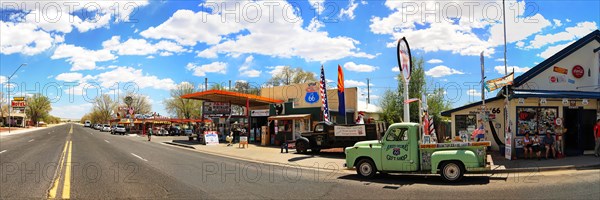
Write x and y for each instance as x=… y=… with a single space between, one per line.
x=534 y=119
x=465 y=124
x=319 y=128
x=398 y=134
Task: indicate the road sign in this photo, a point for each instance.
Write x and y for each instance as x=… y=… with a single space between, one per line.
x=18 y=104
x=18 y=98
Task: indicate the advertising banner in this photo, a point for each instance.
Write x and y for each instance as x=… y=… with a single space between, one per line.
x=259 y=113
x=211 y=138
x=346 y=131
x=494 y=84
x=211 y=108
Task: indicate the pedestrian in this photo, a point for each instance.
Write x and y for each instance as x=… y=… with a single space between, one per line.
x=597 y=135
x=149 y=134
x=284 y=143
x=549 y=143
x=560 y=147
x=536 y=146
x=528 y=144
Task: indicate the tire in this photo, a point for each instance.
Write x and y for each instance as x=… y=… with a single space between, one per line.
x=366 y=168
x=315 y=150
x=452 y=171
x=301 y=146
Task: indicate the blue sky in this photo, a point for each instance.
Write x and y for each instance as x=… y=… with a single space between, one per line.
x=74 y=46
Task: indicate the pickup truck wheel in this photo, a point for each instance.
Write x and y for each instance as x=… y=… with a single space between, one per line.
x=315 y=150
x=366 y=168
x=452 y=171
x=301 y=146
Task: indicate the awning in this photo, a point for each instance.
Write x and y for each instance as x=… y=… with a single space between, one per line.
x=234 y=98
x=290 y=117
x=555 y=94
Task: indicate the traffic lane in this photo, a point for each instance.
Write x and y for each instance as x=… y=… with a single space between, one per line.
x=197 y=169
x=228 y=178
x=36 y=135
x=100 y=170
x=580 y=184
x=28 y=168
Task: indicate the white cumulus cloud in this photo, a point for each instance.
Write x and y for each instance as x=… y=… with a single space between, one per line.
x=351 y=66
x=500 y=69
x=81 y=58
x=201 y=70
x=441 y=70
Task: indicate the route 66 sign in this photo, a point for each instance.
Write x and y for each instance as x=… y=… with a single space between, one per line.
x=312 y=96
x=565 y=102
x=396 y=151
x=585 y=102
x=543 y=101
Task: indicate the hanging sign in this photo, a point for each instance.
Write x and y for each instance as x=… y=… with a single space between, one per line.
x=312 y=96
x=521 y=101
x=404 y=56
x=565 y=102
x=578 y=71
x=543 y=101
x=585 y=102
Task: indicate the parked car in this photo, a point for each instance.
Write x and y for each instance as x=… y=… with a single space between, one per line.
x=400 y=151
x=175 y=130
x=162 y=132
x=119 y=129
x=105 y=128
x=87 y=123
x=112 y=129
x=97 y=126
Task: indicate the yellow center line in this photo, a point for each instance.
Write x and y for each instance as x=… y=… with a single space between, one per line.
x=54 y=189
x=66 y=193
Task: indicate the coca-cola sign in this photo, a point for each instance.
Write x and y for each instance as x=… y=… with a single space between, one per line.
x=578 y=71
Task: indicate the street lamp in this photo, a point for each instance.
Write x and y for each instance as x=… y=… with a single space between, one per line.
x=8 y=94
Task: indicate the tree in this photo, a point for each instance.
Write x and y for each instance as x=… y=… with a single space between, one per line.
x=138 y=102
x=288 y=76
x=217 y=86
x=38 y=106
x=390 y=105
x=103 y=108
x=392 y=102
x=245 y=87
x=183 y=108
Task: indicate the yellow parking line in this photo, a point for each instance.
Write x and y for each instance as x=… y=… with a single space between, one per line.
x=66 y=193
x=54 y=189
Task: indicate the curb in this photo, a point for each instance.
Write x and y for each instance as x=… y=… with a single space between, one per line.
x=539 y=169
x=340 y=170
x=181 y=145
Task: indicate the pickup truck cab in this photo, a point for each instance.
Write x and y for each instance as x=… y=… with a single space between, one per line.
x=400 y=151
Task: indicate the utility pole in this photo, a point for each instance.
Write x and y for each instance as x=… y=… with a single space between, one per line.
x=8 y=94
x=205 y=84
x=368 y=93
x=229 y=85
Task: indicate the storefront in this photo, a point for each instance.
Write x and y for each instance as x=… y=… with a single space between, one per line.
x=284 y=127
x=226 y=108
x=562 y=91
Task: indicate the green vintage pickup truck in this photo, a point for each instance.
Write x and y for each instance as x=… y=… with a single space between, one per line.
x=400 y=151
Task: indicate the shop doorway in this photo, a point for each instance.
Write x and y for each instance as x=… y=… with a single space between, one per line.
x=579 y=136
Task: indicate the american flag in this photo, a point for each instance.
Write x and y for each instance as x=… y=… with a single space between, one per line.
x=323 y=93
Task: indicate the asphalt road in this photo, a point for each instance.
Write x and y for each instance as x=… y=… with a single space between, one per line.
x=105 y=166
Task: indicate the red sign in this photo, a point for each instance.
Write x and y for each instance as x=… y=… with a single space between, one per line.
x=18 y=104
x=578 y=71
x=560 y=70
x=553 y=79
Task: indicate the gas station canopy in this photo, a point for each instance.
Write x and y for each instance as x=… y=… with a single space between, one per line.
x=234 y=98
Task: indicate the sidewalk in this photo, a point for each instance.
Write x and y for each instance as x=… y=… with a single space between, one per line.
x=326 y=160
x=15 y=131
x=336 y=160
x=501 y=164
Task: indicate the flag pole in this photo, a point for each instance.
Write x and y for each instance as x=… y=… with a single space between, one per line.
x=505 y=69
